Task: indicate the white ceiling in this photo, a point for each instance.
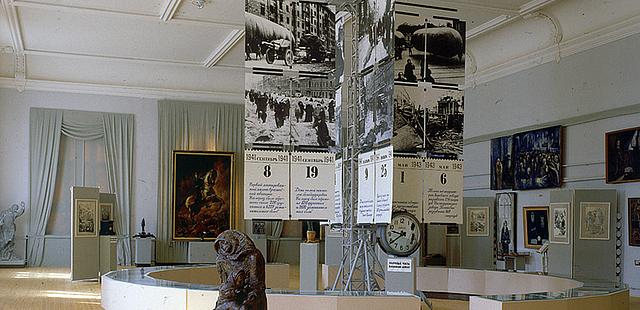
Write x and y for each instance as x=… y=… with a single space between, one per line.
x=150 y=48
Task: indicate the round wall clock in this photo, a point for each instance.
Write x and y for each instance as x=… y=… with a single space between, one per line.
x=402 y=236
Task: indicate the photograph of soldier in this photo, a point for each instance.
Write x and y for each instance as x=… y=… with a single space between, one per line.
x=409 y=104
x=410 y=60
x=375 y=39
x=284 y=110
x=537 y=159
x=287 y=34
x=501 y=164
x=376 y=107
x=623 y=156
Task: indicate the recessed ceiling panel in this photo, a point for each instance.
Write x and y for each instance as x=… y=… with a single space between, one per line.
x=5 y=35
x=227 y=11
x=147 y=7
x=121 y=36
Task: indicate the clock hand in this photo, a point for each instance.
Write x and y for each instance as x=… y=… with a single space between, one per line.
x=395 y=232
x=394 y=240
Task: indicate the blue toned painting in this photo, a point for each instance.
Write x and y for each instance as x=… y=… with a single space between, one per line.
x=538 y=158
x=501 y=163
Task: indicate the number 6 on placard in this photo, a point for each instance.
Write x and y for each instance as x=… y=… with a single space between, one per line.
x=443 y=178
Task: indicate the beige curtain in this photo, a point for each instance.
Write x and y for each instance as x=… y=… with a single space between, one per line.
x=194 y=127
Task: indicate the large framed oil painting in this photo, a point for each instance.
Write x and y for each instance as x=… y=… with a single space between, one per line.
x=537 y=157
x=623 y=155
x=506 y=224
x=501 y=163
x=86 y=218
x=536 y=226
x=203 y=192
x=634 y=221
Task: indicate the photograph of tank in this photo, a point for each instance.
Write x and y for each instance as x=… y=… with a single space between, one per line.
x=376 y=107
x=429 y=45
x=408 y=118
x=290 y=35
x=375 y=35
x=444 y=121
x=284 y=111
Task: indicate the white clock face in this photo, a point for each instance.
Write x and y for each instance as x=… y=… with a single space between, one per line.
x=403 y=234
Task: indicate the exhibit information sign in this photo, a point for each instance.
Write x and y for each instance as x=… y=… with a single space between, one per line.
x=312 y=185
x=407 y=185
x=383 y=184
x=399 y=264
x=266 y=185
x=443 y=191
x=366 y=187
x=338 y=218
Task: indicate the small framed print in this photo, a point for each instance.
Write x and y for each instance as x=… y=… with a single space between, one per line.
x=560 y=222
x=536 y=226
x=86 y=217
x=594 y=220
x=634 y=221
x=106 y=212
x=478 y=221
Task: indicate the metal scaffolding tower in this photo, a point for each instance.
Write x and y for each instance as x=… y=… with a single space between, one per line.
x=360 y=269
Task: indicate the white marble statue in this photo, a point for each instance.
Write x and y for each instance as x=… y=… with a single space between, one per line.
x=8 y=231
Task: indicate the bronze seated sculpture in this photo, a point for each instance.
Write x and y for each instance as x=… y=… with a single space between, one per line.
x=241 y=268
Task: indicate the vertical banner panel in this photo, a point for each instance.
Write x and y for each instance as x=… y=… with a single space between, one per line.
x=338 y=217
x=366 y=188
x=312 y=185
x=266 y=185
x=383 y=185
x=443 y=191
x=407 y=185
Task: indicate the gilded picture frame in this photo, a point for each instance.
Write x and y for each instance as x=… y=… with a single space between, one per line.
x=536 y=226
x=203 y=194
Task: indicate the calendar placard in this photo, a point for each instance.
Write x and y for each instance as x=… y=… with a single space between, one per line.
x=338 y=209
x=408 y=175
x=384 y=184
x=366 y=188
x=443 y=185
x=312 y=185
x=266 y=185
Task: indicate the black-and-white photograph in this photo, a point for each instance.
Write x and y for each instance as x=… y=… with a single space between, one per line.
x=376 y=106
x=338 y=123
x=375 y=37
x=291 y=35
x=284 y=110
x=410 y=60
x=505 y=224
x=408 y=118
x=340 y=45
x=444 y=121
x=445 y=49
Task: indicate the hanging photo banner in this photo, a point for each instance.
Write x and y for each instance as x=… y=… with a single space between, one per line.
x=384 y=184
x=312 y=186
x=443 y=191
x=266 y=185
x=366 y=188
x=407 y=184
x=338 y=217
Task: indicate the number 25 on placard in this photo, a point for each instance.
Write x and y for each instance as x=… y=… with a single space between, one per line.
x=383 y=171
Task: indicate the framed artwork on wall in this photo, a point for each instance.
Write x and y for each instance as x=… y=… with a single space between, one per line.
x=86 y=217
x=505 y=224
x=622 y=149
x=536 y=226
x=594 y=220
x=634 y=221
x=501 y=163
x=478 y=221
x=560 y=222
x=537 y=157
x=106 y=212
x=203 y=192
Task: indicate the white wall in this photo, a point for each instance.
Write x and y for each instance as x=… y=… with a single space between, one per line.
x=589 y=93
x=14 y=150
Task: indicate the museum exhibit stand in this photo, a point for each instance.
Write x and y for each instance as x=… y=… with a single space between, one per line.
x=195 y=287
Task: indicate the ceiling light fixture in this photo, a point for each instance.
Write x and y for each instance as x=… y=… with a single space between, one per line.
x=198 y=3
